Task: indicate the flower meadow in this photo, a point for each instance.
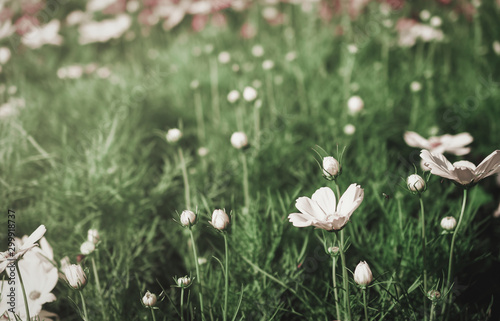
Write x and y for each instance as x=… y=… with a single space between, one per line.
x=249 y=160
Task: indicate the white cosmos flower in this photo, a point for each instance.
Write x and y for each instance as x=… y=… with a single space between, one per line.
x=103 y=31
x=453 y=144
x=7 y=257
x=249 y=93
x=463 y=172
x=322 y=211
x=39 y=36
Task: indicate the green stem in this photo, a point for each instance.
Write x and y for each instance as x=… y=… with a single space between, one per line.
x=98 y=285
x=214 y=84
x=182 y=302
x=334 y=275
x=245 y=180
x=186 y=181
x=84 y=307
x=153 y=314
x=198 y=275
x=200 y=119
x=455 y=232
x=24 y=292
x=424 y=241
x=347 y=304
x=256 y=116
x=226 y=277
x=433 y=312
x=364 y=303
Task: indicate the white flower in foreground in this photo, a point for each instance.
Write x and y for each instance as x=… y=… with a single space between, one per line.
x=258 y=51
x=43 y=35
x=40 y=277
x=249 y=93
x=188 y=218
x=184 y=281
x=453 y=144
x=224 y=57
x=349 y=129
x=8 y=257
x=220 y=220
x=496 y=47
x=415 y=86
x=4 y=55
x=322 y=211
x=173 y=135
x=448 y=223
x=239 y=140
x=87 y=247
x=233 y=96
x=463 y=172
x=149 y=299
x=93 y=236
x=415 y=183
x=355 y=104
x=75 y=276
x=362 y=274
x=331 y=167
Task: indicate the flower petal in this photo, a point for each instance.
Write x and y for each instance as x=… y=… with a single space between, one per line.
x=438 y=164
x=452 y=142
x=464 y=175
x=307 y=206
x=300 y=220
x=415 y=140
x=350 y=200
x=325 y=199
x=489 y=166
x=35 y=236
x=339 y=222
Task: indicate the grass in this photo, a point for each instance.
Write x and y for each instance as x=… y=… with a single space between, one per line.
x=91 y=153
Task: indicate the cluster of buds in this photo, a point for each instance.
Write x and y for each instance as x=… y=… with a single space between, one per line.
x=331 y=168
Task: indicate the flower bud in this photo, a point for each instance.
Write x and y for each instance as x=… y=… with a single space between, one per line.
x=249 y=93
x=173 y=135
x=267 y=64
x=239 y=140
x=415 y=86
x=93 y=236
x=233 y=96
x=188 y=218
x=220 y=220
x=363 y=275
x=331 y=167
x=224 y=57
x=349 y=129
x=75 y=276
x=333 y=250
x=184 y=281
x=448 y=223
x=433 y=295
x=415 y=183
x=87 y=247
x=355 y=104
x=149 y=299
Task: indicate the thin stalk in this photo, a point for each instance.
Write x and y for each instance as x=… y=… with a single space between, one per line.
x=198 y=275
x=245 y=180
x=84 y=307
x=424 y=241
x=24 y=292
x=364 y=303
x=270 y=94
x=335 y=293
x=455 y=232
x=214 y=84
x=153 y=314
x=226 y=276
x=256 y=120
x=200 y=119
x=182 y=303
x=347 y=304
x=186 y=181
x=433 y=312
x=98 y=285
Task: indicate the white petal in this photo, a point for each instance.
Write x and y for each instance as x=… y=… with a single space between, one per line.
x=415 y=140
x=438 y=164
x=325 y=199
x=35 y=236
x=339 y=222
x=452 y=142
x=465 y=175
x=307 y=206
x=300 y=220
x=489 y=166
x=350 y=200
